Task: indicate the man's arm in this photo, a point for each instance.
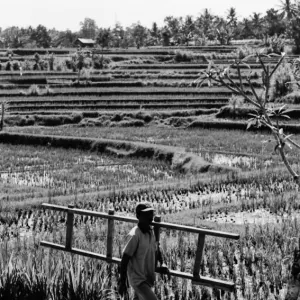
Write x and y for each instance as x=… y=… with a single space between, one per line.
x=163 y=269
x=123 y=273
x=158 y=256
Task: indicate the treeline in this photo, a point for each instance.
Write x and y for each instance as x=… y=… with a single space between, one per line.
x=281 y=22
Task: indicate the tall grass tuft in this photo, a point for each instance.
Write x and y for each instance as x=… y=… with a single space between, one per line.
x=282 y=82
x=32 y=276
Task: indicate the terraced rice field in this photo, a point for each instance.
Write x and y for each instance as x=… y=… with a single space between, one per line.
x=124 y=86
x=259 y=200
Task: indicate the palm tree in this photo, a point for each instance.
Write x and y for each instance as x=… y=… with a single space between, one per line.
x=257 y=24
x=288 y=9
x=231 y=16
x=246 y=28
x=204 y=22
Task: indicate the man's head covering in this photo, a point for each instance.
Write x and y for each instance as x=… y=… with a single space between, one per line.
x=143 y=207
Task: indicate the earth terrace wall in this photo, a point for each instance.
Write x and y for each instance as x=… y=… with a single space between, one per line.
x=244 y=112
x=235 y=125
x=176 y=157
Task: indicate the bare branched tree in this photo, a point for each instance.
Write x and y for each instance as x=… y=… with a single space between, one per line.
x=264 y=114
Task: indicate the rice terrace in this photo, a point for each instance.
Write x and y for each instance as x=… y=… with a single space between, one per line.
x=198 y=117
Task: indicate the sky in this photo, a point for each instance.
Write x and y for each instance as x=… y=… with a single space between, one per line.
x=67 y=14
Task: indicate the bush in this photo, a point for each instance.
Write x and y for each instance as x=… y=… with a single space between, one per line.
x=36 y=67
x=26 y=65
x=37 y=57
x=274 y=44
x=8 y=66
x=101 y=62
x=59 y=68
x=43 y=65
x=33 y=90
x=76 y=118
x=18 y=120
x=144 y=116
x=244 y=51
x=117 y=118
x=238 y=112
x=183 y=56
x=51 y=62
x=48 y=90
x=50 y=120
x=291 y=98
x=16 y=66
x=69 y=64
x=128 y=122
x=282 y=82
x=44 y=120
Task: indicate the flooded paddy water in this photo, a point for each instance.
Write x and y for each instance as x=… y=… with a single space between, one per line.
x=244 y=162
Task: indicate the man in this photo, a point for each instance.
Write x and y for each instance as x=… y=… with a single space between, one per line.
x=140 y=255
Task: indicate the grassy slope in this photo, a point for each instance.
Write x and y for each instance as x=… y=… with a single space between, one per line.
x=175 y=156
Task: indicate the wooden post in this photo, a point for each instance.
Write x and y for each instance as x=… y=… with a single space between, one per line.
x=157 y=235
x=110 y=240
x=69 y=232
x=110 y=235
x=199 y=253
x=2 y=116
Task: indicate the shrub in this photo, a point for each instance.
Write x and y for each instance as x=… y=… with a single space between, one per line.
x=274 y=44
x=59 y=68
x=291 y=98
x=18 y=120
x=97 y=64
x=101 y=62
x=76 y=118
x=244 y=51
x=117 y=118
x=26 y=65
x=36 y=67
x=183 y=56
x=69 y=64
x=43 y=65
x=8 y=66
x=33 y=90
x=51 y=62
x=50 y=120
x=282 y=82
x=48 y=90
x=128 y=122
x=37 y=57
x=16 y=66
x=144 y=116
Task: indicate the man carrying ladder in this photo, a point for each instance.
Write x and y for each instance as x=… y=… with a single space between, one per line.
x=140 y=255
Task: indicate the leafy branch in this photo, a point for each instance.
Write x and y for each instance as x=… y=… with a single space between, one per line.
x=263 y=114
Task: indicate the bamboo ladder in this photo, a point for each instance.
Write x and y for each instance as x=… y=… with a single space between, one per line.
x=111 y=217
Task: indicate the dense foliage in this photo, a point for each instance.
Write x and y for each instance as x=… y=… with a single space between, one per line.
x=176 y=30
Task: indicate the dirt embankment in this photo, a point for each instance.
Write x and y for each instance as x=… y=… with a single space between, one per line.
x=111 y=119
x=176 y=157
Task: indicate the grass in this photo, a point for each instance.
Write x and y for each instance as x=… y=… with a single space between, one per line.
x=259 y=263
x=240 y=141
x=257 y=247
x=174 y=156
x=117 y=91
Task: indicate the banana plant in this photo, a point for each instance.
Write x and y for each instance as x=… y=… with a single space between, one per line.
x=263 y=112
